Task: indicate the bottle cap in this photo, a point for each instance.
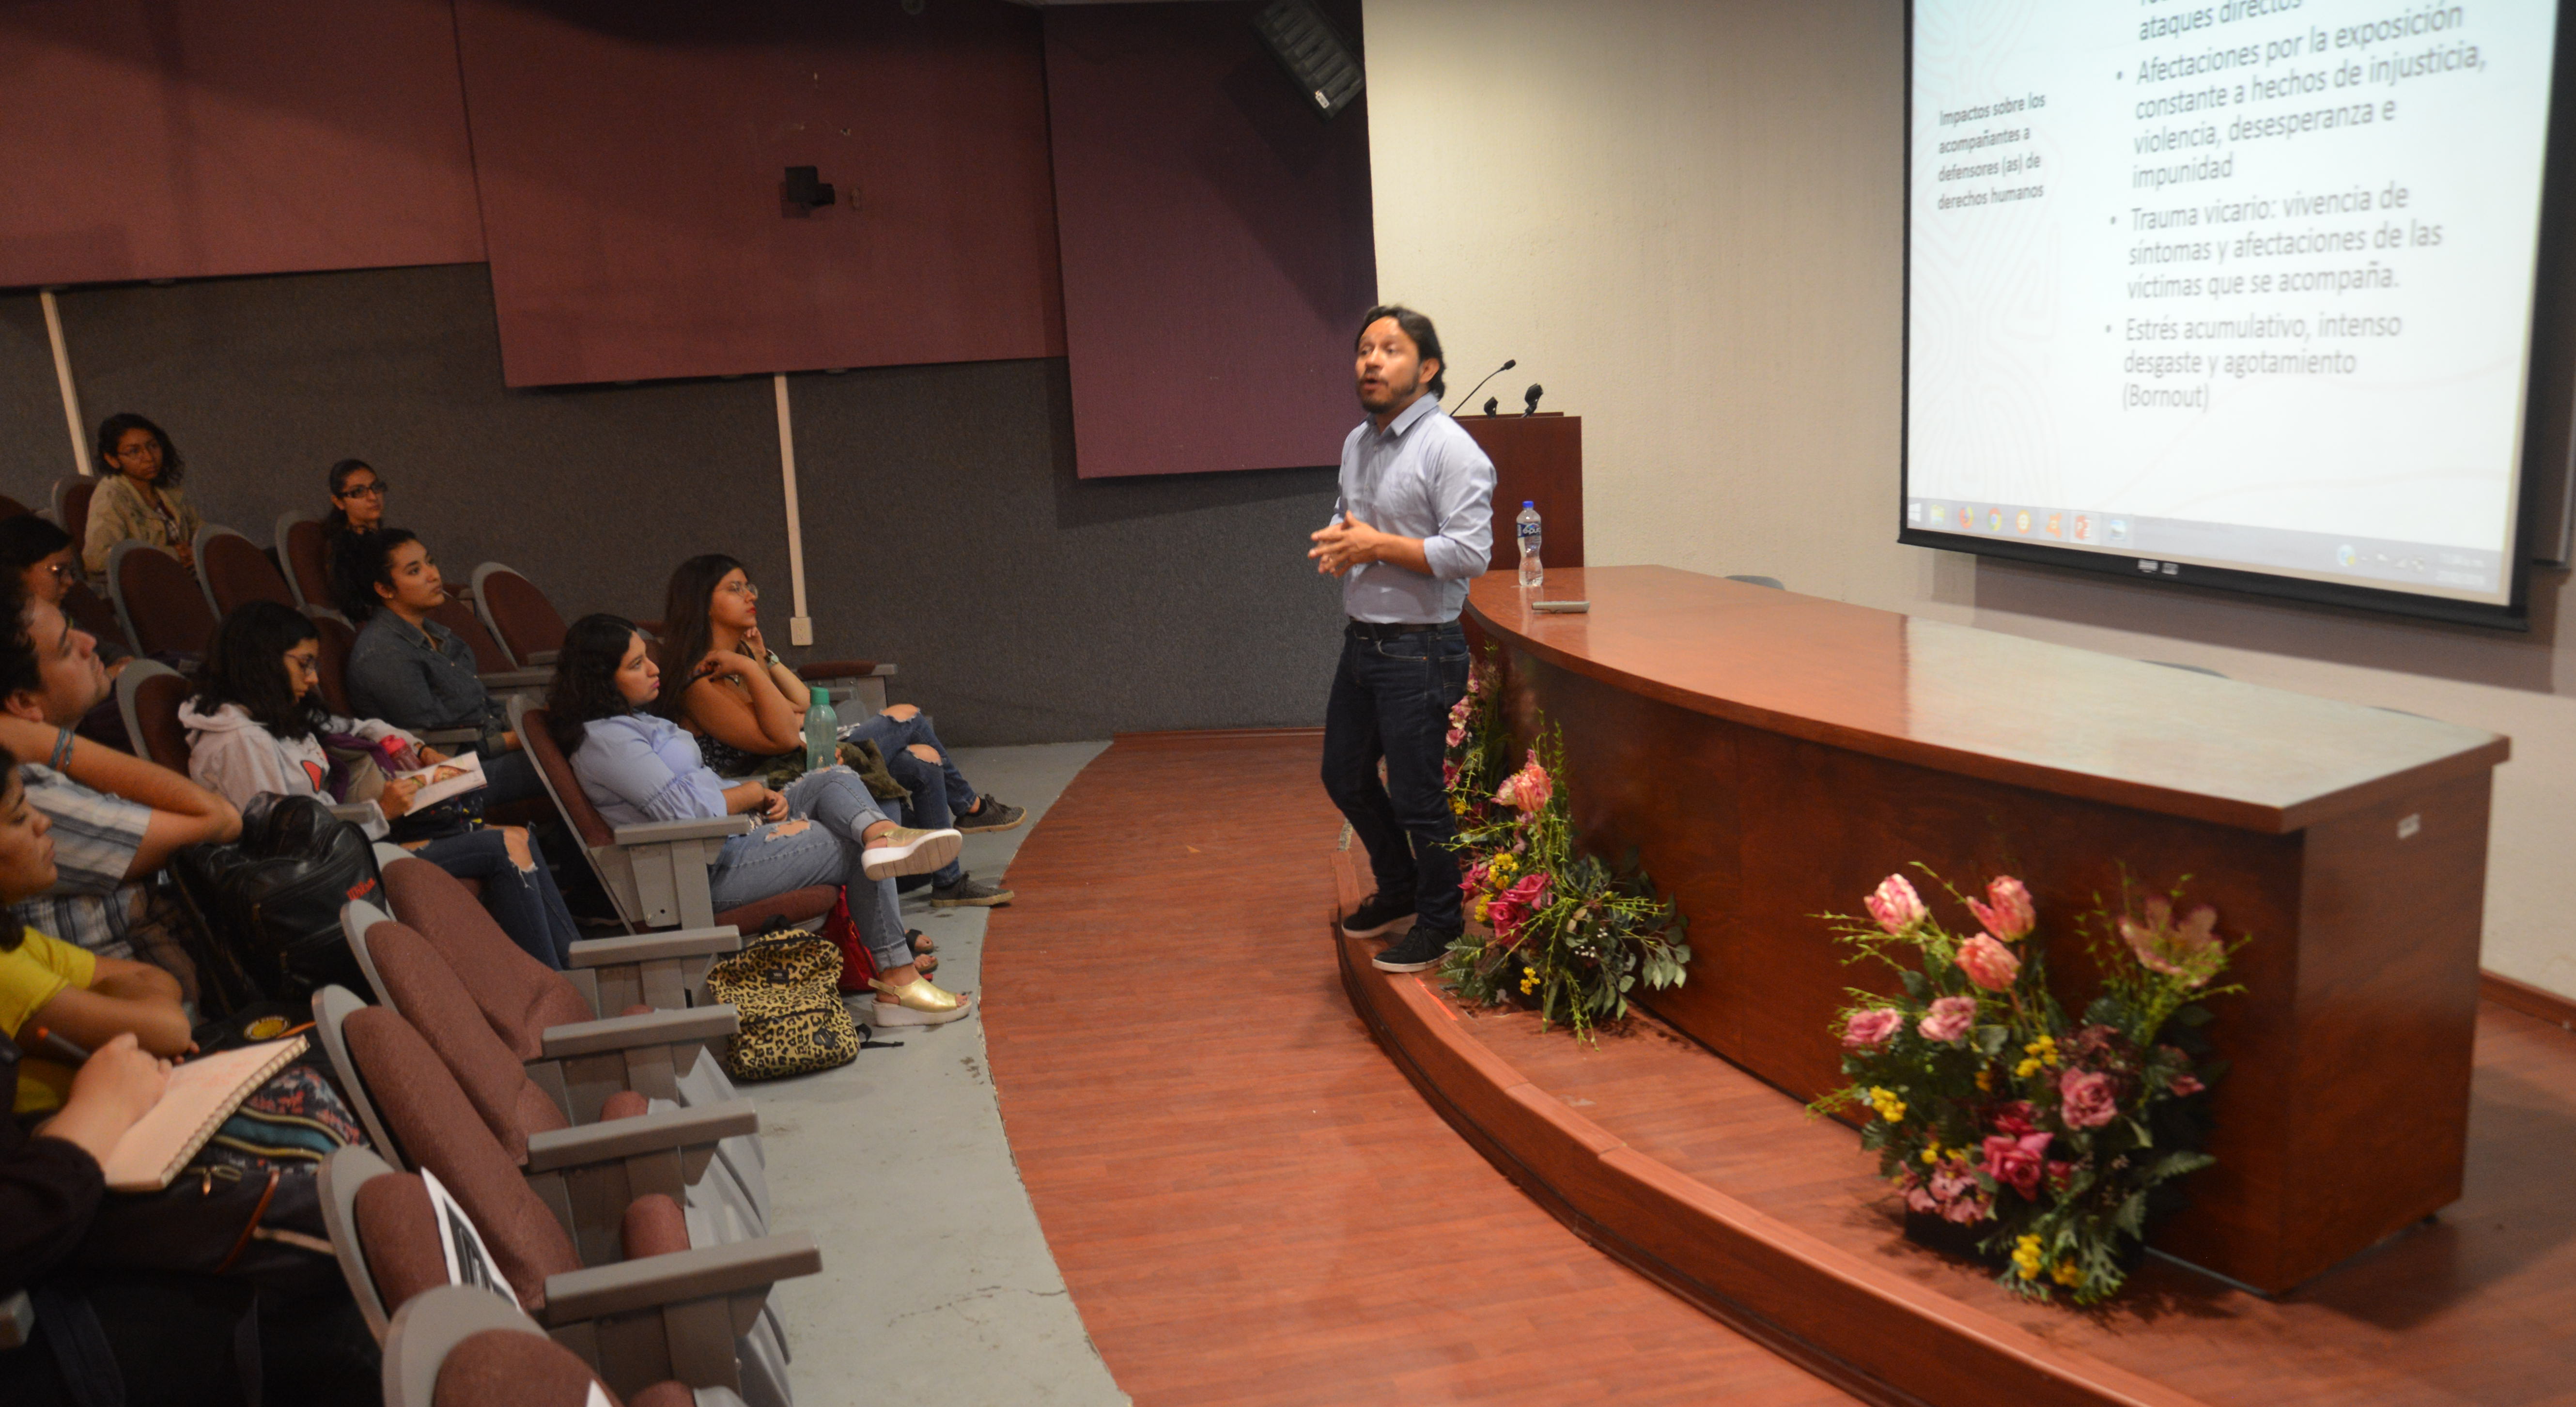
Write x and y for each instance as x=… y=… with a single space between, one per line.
x=821 y=694
x=1527 y=503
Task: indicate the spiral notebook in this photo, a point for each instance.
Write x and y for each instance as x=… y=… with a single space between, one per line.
x=202 y=1093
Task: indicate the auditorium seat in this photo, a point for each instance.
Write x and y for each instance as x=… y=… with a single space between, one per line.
x=656 y=873
x=331 y=674
x=1770 y=581
x=520 y=617
x=12 y=508
x=92 y=613
x=461 y=1344
x=2191 y=668
x=71 y=506
x=303 y=551
x=661 y=1308
x=148 y=695
x=159 y=602
x=235 y=572
x=491 y=663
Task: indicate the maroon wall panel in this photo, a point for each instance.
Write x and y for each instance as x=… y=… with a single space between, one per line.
x=1217 y=242
x=630 y=158
x=193 y=138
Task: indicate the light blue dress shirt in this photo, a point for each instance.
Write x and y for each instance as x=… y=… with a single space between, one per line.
x=639 y=767
x=1422 y=476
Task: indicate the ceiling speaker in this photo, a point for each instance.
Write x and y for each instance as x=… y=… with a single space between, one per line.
x=1318 y=60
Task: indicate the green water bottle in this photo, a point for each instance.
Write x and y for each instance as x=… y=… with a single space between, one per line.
x=822 y=733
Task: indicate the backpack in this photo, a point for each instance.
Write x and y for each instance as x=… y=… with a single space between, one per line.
x=272 y=899
x=785 y=988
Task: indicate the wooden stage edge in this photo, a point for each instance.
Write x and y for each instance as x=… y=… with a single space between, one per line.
x=1876 y=1335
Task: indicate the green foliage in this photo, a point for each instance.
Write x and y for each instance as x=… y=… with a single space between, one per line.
x=1561 y=931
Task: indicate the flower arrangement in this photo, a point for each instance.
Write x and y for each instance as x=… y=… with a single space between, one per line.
x=2047 y=1139
x=1562 y=931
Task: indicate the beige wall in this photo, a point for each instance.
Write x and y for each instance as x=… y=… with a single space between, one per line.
x=1685 y=219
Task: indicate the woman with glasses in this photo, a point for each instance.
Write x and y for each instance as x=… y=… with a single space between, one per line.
x=257 y=724
x=42 y=558
x=747 y=711
x=138 y=496
x=357 y=499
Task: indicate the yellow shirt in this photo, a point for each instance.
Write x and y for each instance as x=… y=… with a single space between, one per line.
x=30 y=976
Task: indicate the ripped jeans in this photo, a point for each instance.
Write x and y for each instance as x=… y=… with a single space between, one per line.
x=524 y=902
x=818 y=844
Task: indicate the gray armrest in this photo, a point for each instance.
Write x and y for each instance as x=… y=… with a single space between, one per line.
x=542 y=657
x=690 y=1025
x=360 y=813
x=17 y=1320
x=502 y=681
x=653 y=947
x=612 y=1139
x=695 y=828
x=579 y=1295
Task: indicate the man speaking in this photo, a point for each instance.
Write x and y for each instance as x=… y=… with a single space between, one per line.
x=1415 y=522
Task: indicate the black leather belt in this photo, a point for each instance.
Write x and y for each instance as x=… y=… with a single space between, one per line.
x=1383 y=631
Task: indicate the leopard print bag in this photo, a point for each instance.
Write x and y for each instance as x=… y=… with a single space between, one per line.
x=785 y=986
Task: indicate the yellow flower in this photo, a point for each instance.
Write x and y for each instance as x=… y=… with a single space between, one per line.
x=2024 y=1070
x=1458 y=806
x=1889 y=1107
x=1504 y=865
x=2026 y=1258
x=2067 y=1272
x=1932 y=1151
x=2042 y=1052
x=1986 y=1080
x=1480 y=909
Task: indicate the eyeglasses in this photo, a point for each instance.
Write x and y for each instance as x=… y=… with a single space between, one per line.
x=373 y=490
x=745 y=590
x=60 y=571
x=304 y=664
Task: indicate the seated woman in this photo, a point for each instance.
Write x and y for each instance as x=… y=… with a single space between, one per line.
x=138 y=496
x=165 y=1331
x=412 y=671
x=357 y=499
x=747 y=710
x=824 y=829
x=257 y=725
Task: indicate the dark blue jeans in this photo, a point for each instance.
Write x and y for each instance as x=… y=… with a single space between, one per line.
x=892 y=737
x=927 y=808
x=524 y=902
x=1391 y=700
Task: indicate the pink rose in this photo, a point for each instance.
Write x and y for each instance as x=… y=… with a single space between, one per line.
x=2087 y=1099
x=2060 y=1175
x=1868 y=1030
x=2007 y=912
x=1895 y=904
x=2015 y=1162
x=1458 y=712
x=2016 y=1118
x=1950 y=1019
x=1448 y=774
x=1457 y=736
x=1988 y=963
x=1969 y=1209
x=1516 y=904
x=1919 y=1199
x=1527 y=789
x=2189 y=951
x=2185 y=1085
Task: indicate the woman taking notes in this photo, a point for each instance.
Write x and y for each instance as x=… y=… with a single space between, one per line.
x=823 y=829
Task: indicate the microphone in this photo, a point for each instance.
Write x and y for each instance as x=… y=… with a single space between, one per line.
x=1507 y=365
x=1529 y=398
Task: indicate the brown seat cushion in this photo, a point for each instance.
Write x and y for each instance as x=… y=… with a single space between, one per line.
x=398 y=1236
x=797 y=906
x=430 y=995
x=508 y=1368
x=654 y=1226
x=438 y=1129
x=519 y=996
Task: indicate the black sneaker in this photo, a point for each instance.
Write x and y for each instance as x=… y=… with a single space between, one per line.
x=991 y=813
x=968 y=893
x=1378 y=913
x=1420 y=949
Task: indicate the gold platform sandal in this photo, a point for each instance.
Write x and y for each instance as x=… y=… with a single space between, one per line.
x=916 y=1003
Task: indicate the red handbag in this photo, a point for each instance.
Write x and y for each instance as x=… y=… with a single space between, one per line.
x=857 y=968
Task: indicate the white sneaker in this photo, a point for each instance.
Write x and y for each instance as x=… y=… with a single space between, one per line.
x=904 y=851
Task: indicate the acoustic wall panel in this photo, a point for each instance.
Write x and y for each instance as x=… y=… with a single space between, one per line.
x=631 y=158
x=1216 y=241
x=146 y=139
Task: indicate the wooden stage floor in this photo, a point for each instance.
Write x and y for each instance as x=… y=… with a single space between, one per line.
x=1248 y=1202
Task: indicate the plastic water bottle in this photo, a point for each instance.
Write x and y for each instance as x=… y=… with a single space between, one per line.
x=1532 y=573
x=822 y=733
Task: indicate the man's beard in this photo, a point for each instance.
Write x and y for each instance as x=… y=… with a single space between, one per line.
x=1395 y=395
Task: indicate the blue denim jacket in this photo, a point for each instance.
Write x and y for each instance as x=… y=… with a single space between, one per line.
x=418 y=678
x=638 y=767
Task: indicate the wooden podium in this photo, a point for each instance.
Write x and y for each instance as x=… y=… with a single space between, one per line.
x=1771 y=756
x=1537 y=459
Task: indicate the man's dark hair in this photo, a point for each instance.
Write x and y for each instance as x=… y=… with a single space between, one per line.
x=19 y=667
x=1426 y=339
x=247 y=665
x=585 y=684
x=114 y=428
x=359 y=566
x=26 y=540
